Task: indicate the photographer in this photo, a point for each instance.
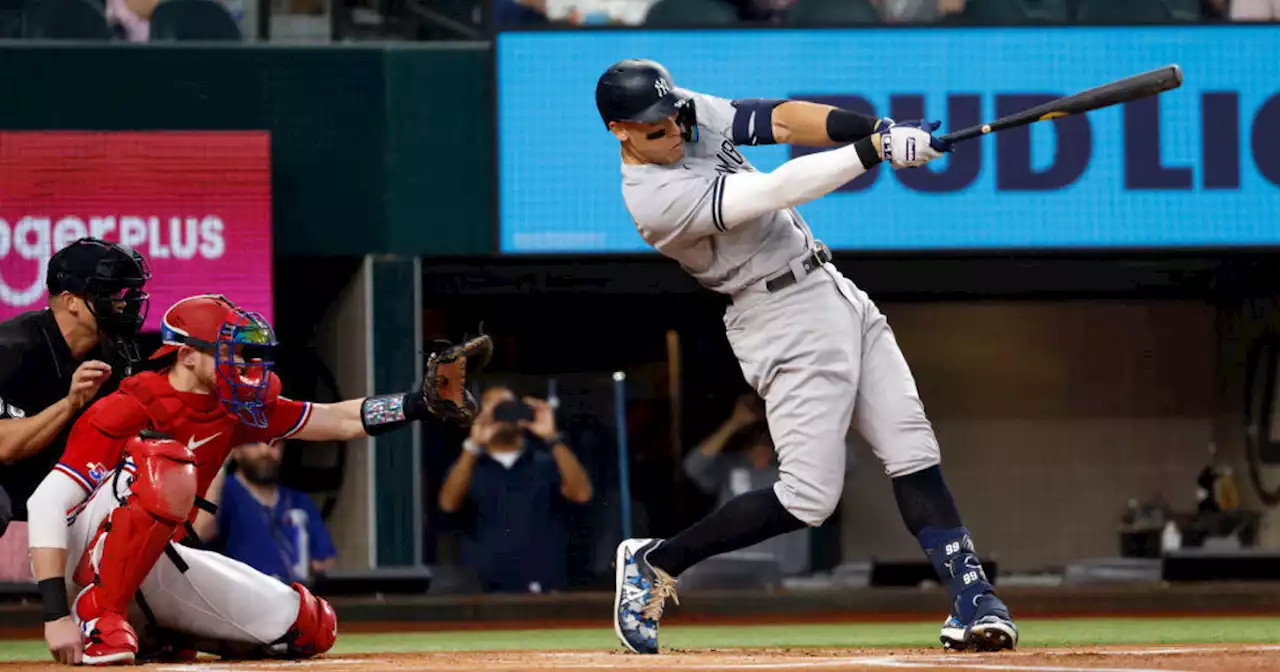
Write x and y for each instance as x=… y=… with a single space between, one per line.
x=509 y=486
x=753 y=465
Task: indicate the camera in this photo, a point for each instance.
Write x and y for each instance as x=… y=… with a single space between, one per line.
x=512 y=410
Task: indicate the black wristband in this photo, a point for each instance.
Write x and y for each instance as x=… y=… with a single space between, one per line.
x=867 y=153
x=846 y=126
x=53 y=593
x=382 y=414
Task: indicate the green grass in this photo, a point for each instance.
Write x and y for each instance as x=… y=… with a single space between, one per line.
x=1058 y=632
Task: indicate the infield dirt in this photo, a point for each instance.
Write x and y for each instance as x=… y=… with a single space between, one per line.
x=1215 y=658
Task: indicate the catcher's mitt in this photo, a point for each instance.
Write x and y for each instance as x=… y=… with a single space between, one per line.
x=444 y=385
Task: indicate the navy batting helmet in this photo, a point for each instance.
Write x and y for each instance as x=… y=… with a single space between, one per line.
x=637 y=90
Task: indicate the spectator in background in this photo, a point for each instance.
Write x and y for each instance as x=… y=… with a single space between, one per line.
x=1253 y=10
x=509 y=485
x=766 y=11
x=131 y=19
x=275 y=530
x=755 y=466
x=919 y=11
x=515 y=13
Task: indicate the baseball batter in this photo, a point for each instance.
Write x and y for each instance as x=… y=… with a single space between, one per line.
x=107 y=520
x=810 y=342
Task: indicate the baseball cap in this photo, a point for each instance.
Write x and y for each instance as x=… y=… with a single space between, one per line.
x=197 y=321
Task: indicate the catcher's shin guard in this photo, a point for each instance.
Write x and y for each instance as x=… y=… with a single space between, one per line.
x=134 y=535
x=315 y=630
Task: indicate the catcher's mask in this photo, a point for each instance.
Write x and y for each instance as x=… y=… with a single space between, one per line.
x=244 y=356
x=243 y=346
x=110 y=278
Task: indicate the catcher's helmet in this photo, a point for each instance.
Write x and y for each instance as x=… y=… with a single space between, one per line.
x=637 y=90
x=243 y=346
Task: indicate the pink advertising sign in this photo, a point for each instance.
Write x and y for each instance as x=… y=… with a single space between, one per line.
x=197 y=205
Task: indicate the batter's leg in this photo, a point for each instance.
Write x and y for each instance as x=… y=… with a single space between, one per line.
x=229 y=608
x=807 y=371
x=891 y=417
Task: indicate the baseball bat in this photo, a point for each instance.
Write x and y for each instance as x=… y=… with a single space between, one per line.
x=1151 y=83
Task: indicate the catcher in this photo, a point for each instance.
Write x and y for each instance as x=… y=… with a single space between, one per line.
x=136 y=465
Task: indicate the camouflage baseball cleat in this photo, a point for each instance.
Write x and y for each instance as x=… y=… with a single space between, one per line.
x=640 y=594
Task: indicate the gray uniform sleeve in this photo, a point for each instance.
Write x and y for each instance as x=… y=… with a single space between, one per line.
x=678 y=209
x=714 y=113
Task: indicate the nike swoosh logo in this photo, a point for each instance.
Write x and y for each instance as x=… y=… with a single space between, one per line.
x=192 y=444
x=631 y=593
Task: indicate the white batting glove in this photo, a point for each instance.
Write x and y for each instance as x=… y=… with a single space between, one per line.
x=908 y=144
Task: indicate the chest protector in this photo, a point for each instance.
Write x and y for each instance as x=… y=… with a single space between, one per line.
x=169 y=414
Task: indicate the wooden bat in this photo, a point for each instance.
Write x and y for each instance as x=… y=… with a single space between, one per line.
x=1149 y=83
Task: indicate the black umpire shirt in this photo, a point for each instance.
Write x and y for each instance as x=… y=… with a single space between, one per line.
x=35 y=373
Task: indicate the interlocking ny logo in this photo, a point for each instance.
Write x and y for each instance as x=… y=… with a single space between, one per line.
x=661 y=86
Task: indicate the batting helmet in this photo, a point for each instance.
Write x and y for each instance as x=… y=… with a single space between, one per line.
x=637 y=90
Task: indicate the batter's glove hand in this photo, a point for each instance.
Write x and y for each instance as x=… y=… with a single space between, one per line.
x=444 y=385
x=908 y=144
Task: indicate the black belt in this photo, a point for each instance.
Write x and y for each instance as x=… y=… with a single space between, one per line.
x=820 y=255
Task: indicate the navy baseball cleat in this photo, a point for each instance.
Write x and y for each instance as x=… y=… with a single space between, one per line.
x=992 y=628
x=640 y=593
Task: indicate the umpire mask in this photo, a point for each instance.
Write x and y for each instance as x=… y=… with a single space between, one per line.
x=110 y=277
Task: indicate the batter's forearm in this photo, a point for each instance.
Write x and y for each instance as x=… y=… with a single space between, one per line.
x=798 y=122
x=21 y=438
x=747 y=196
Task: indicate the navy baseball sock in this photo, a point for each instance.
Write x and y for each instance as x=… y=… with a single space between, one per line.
x=743 y=521
x=930 y=513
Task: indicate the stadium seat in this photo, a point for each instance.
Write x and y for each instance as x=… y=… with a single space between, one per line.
x=64 y=20
x=1138 y=11
x=1015 y=11
x=11 y=18
x=833 y=13
x=691 y=13
x=187 y=20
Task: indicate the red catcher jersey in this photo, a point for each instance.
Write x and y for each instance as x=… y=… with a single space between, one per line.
x=199 y=421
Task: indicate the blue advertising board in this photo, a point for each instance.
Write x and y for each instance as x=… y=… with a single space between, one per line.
x=1195 y=167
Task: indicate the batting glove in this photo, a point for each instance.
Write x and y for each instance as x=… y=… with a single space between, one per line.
x=907 y=144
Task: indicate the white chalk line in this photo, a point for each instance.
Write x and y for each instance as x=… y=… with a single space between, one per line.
x=265 y=666
x=808 y=663
x=960 y=665
x=969 y=661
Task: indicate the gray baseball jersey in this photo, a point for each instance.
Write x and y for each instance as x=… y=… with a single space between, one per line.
x=673 y=208
x=819 y=351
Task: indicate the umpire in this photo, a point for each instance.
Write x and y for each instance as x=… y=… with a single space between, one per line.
x=55 y=361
